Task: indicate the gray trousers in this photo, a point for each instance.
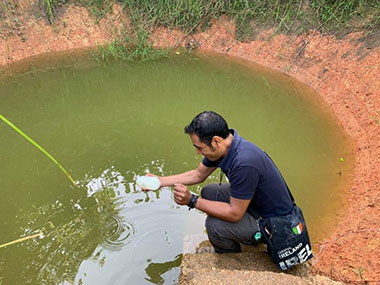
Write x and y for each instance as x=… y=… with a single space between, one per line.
x=226 y=236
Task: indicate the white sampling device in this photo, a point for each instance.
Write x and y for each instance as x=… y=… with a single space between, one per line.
x=148 y=182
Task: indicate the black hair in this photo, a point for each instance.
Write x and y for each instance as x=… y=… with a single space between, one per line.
x=206 y=125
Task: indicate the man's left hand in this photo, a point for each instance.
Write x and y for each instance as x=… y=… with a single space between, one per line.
x=182 y=195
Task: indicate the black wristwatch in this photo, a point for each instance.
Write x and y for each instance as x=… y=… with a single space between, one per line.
x=193 y=201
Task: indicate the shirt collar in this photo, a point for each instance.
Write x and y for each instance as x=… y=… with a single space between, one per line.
x=227 y=159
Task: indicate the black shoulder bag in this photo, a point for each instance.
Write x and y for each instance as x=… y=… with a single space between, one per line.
x=286 y=236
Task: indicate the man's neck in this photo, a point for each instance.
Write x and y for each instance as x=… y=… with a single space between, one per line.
x=228 y=143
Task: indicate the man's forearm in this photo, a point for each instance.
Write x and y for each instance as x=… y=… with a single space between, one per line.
x=217 y=209
x=187 y=178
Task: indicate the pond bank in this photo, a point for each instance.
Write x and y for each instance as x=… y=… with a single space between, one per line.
x=344 y=72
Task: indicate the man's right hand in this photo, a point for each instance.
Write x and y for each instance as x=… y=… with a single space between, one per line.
x=151 y=175
x=182 y=195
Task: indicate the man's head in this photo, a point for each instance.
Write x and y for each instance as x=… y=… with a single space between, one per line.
x=208 y=131
x=206 y=125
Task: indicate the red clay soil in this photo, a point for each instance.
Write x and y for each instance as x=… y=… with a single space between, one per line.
x=345 y=73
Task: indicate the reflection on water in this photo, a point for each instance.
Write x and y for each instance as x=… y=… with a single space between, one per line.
x=73 y=231
x=155 y=271
x=109 y=179
x=114 y=184
x=70 y=236
x=164 y=256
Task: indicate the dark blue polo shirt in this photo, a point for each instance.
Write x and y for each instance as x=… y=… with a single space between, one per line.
x=253 y=176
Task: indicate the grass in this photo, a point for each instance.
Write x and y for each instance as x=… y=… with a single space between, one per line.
x=336 y=15
x=189 y=14
x=49 y=7
x=130 y=46
x=98 y=8
x=287 y=16
x=330 y=15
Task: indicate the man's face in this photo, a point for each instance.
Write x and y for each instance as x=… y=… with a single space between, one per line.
x=211 y=153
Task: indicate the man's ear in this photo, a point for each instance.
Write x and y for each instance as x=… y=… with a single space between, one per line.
x=216 y=141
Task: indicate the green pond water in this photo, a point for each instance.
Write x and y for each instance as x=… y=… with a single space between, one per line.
x=106 y=125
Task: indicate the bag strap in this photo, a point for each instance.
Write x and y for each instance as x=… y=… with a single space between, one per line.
x=290 y=193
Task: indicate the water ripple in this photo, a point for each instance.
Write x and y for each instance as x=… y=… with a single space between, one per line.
x=117 y=233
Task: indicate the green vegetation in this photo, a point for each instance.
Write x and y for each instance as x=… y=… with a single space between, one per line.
x=288 y=16
x=49 y=7
x=335 y=15
x=98 y=8
x=318 y=14
x=130 y=46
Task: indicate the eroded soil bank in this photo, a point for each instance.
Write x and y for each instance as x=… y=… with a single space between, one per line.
x=345 y=72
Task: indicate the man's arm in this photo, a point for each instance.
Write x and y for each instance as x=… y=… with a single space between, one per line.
x=191 y=177
x=231 y=212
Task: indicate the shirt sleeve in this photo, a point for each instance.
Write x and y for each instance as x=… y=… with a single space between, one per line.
x=208 y=163
x=244 y=181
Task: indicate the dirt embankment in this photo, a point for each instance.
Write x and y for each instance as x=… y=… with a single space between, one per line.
x=345 y=73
